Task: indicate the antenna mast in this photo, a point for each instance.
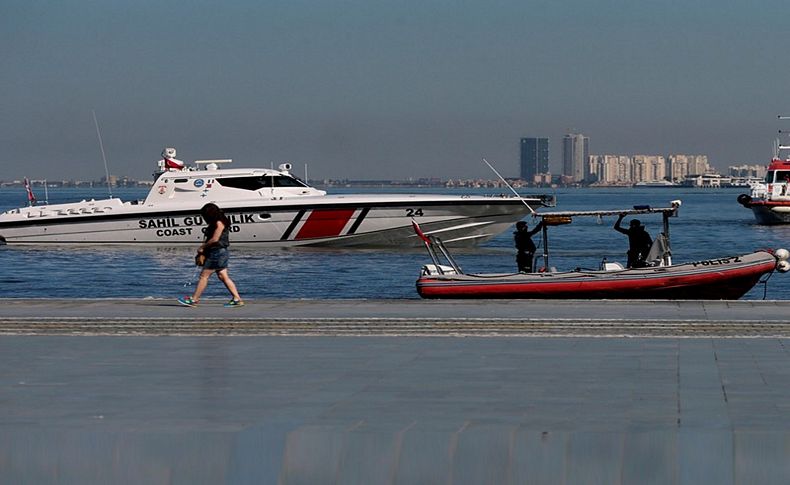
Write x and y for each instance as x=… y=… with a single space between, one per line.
x=509 y=186
x=104 y=158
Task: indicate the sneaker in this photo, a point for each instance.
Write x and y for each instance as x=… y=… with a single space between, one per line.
x=188 y=301
x=233 y=303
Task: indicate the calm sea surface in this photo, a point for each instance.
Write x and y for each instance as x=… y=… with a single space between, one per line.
x=711 y=224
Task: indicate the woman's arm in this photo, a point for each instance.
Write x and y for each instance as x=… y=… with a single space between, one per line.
x=214 y=239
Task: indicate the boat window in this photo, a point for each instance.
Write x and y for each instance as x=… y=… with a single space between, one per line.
x=769 y=177
x=782 y=176
x=246 y=183
x=284 y=181
x=256 y=183
x=180 y=181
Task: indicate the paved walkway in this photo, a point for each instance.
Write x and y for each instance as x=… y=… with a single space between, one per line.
x=103 y=407
x=398 y=317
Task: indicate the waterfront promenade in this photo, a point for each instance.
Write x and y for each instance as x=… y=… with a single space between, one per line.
x=394 y=391
x=400 y=317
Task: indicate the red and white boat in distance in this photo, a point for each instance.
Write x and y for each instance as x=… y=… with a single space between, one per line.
x=267 y=208
x=724 y=278
x=770 y=200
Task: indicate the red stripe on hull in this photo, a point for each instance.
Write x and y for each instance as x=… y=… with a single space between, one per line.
x=325 y=223
x=769 y=203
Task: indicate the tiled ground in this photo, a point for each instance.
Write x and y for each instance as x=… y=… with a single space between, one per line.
x=394 y=410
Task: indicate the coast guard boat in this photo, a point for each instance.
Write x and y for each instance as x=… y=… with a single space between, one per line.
x=266 y=207
x=770 y=200
x=722 y=278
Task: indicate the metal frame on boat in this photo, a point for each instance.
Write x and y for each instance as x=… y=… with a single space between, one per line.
x=725 y=278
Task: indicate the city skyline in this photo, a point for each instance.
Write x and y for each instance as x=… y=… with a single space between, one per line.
x=605 y=171
x=618 y=168
x=359 y=89
x=534 y=167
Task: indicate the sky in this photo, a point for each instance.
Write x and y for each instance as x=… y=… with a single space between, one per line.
x=367 y=89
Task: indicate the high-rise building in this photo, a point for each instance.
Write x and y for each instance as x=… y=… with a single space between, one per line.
x=698 y=165
x=747 y=170
x=575 y=156
x=611 y=168
x=678 y=167
x=618 y=169
x=534 y=158
x=682 y=165
x=649 y=168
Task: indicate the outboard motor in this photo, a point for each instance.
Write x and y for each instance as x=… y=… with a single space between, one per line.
x=745 y=200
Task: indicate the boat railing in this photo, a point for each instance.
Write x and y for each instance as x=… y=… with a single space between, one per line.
x=779 y=190
x=566 y=217
x=759 y=190
x=434 y=246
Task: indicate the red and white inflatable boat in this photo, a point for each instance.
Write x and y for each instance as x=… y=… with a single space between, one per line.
x=726 y=278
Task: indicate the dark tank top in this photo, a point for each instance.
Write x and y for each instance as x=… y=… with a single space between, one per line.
x=224 y=238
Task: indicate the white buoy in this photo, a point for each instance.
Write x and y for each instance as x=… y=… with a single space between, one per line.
x=782 y=254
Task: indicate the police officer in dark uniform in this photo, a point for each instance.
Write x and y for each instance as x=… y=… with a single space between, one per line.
x=525 y=248
x=639 y=242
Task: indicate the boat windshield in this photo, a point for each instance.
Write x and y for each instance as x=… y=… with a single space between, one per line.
x=782 y=176
x=260 y=182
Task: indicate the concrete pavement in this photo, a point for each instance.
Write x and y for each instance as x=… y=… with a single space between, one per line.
x=398 y=317
x=98 y=406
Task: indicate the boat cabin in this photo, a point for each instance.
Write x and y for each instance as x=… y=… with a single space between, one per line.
x=206 y=182
x=776 y=180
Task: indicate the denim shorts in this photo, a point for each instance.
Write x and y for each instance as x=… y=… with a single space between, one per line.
x=216 y=258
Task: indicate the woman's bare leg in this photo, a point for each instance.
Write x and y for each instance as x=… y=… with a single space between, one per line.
x=201 y=284
x=225 y=278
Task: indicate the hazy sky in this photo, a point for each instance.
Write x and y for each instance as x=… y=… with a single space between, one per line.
x=394 y=89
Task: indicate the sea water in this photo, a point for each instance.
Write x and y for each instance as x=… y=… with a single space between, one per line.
x=711 y=224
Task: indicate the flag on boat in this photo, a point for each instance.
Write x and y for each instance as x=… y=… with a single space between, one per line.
x=30 y=197
x=169 y=160
x=174 y=164
x=419 y=232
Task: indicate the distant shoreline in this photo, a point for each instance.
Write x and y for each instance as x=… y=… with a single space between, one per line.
x=374 y=184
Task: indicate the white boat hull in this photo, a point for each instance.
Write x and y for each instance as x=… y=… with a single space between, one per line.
x=767 y=215
x=343 y=221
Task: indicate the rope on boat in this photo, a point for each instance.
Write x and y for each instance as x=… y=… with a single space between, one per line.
x=765 y=284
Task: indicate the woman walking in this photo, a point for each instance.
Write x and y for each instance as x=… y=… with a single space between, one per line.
x=215 y=249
